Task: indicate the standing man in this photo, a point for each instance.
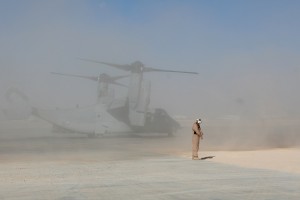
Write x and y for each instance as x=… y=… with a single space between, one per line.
x=197 y=135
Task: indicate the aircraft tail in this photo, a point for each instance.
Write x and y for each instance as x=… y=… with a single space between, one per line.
x=19 y=110
x=10 y=92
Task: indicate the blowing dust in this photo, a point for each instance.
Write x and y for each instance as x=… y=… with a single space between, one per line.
x=33 y=140
x=246 y=93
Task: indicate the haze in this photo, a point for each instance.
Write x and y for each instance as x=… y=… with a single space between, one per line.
x=246 y=54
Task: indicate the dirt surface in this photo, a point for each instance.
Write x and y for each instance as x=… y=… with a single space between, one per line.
x=38 y=164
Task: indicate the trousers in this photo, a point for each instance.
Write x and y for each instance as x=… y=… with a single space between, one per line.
x=195 y=145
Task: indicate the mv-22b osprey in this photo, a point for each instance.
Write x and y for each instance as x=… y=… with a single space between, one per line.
x=115 y=115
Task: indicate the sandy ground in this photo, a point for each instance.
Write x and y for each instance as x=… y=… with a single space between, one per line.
x=37 y=164
x=283 y=159
x=286 y=160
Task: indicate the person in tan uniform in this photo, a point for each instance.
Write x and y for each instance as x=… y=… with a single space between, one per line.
x=197 y=135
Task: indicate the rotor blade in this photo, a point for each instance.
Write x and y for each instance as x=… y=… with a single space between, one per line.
x=105 y=78
x=122 y=67
x=93 y=78
x=130 y=67
x=149 y=69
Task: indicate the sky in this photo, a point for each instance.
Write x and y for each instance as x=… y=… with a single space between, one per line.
x=246 y=52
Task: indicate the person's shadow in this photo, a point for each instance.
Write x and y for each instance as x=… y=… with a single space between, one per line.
x=207 y=157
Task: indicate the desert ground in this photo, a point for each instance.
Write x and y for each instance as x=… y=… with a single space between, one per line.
x=38 y=164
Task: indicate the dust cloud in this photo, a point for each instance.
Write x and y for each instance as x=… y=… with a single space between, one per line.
x=246 y=92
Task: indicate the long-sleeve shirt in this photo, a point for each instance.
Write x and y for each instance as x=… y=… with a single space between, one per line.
x=197 y=129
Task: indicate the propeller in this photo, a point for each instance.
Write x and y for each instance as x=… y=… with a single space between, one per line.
x=137 y=67
x=103 y=78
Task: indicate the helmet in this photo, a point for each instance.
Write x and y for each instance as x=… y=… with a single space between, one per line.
x=198 y=121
